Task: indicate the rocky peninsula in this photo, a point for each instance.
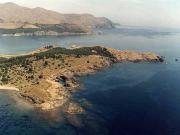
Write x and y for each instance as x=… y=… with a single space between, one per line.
x=48 y=76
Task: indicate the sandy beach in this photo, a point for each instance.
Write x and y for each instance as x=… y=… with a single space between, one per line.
x=8 y=88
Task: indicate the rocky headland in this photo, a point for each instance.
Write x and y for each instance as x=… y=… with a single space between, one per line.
x=48 y=76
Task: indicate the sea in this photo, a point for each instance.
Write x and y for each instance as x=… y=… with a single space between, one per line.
x=125 y=99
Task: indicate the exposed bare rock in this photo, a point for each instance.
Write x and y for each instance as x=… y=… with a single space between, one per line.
x=135 y=56
x=75 y=121
x=74 y=108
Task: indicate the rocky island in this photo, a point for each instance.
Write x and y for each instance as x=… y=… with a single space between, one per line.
x=47 y=77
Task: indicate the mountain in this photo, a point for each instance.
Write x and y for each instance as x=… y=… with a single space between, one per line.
x=13 y=13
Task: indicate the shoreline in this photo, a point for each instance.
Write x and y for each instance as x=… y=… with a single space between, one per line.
x=56 y=71
x=8 y=88
x=44 y=35
x=39 y=50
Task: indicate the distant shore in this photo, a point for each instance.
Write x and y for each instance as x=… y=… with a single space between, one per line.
x=42 y=33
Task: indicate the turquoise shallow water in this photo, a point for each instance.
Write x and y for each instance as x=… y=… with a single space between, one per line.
x=127 y=99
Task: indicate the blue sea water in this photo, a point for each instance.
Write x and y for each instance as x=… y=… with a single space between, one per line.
x=126 y=99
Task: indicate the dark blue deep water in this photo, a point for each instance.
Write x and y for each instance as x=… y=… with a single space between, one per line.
x=126 y=99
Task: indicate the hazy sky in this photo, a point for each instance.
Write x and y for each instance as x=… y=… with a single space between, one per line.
x=161 y=13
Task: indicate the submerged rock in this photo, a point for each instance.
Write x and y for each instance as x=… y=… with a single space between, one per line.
x=75 y=121
x=74 y=108
x=161 y=58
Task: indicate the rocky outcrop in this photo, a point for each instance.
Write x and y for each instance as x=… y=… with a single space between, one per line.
x=135 y=56
x=67 y=80
x=74 y=108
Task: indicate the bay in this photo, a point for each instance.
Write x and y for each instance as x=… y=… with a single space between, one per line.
x=126 y=99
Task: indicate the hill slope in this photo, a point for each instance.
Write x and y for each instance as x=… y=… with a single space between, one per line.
x=10 y=12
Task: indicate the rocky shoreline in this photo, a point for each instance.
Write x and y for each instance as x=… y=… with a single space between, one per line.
x=68 y=82
x=49 y=77
x=71 y=83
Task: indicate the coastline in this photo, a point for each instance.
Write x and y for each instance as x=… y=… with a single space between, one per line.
x=71 y=85
x=8 y=88
x=56 y=77
x=39 y=50
x=44 y=34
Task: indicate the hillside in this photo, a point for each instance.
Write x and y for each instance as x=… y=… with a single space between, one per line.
x=10 y=12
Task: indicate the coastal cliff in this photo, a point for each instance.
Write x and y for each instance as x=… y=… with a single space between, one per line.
x=47 y=77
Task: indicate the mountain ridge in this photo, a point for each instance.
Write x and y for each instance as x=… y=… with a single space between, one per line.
x=11 y=12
